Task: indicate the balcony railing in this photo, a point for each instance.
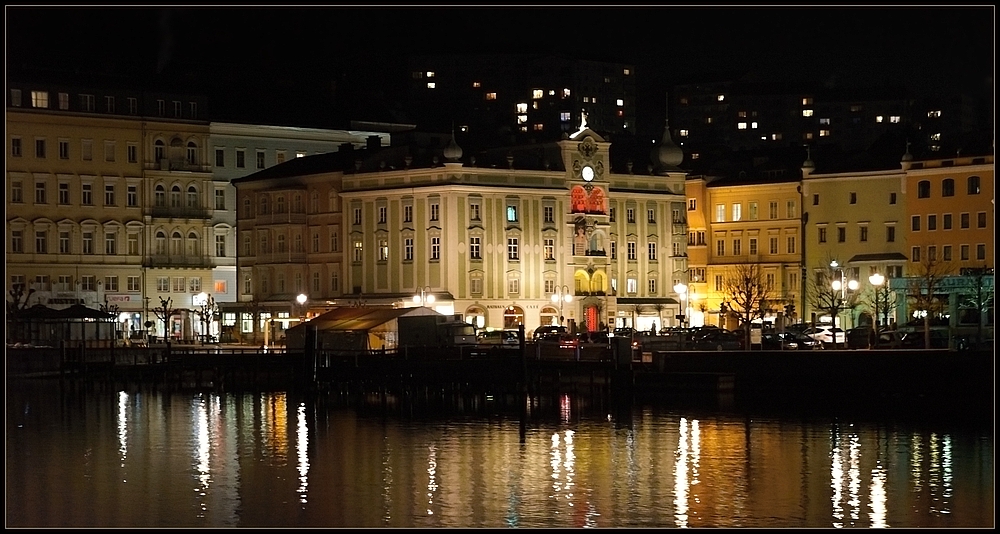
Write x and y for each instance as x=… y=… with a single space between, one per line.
x=167 y=260
x=180 y=212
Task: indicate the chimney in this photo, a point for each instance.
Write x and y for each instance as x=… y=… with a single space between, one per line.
x=346 y=147
x=374 y=142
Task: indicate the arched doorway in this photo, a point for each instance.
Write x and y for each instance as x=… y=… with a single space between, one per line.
x=476 y=316
x=548 y=316
x=513 y=316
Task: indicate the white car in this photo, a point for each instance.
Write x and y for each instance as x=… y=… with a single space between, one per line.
x=826 y=335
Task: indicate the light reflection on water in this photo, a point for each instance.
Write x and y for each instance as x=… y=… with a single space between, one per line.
x=173 y=459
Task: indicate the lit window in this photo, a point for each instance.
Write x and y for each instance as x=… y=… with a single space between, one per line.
x=807 y=113
x=40 y=99
x=620 y=102
x=521 y=107
x=476 y=84
x=683 y=133
x=430 y=74
x=741 y=126
x=521 y=119
x=879 y=119
x=720 y=98
x=565 y=93
x=824 y=133
x=824 y=121
x=537 y=93
x=753 y=125
x=934 y=114
x=894 y=119
x=776 y=137
x=431 y=85
x=807 y=101
x=491 y=96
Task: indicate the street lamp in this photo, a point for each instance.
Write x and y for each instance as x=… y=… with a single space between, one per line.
x=876 y=280
x=301 y=299
x=681 y=290
x=842 y=286
x=425 y=297
x=560 y=296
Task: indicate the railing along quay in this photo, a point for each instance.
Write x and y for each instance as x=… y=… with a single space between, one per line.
x=935 y=379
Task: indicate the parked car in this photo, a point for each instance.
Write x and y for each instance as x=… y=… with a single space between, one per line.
x=890 y=339
x=860 y=337
x=718 y=340
x=551 y=332
x=826 y=335
x=505 y=338
x=596 y=338
x=789 y=341
x=915 y=340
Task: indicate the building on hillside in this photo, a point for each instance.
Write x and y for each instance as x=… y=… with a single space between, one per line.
x=511 y=99
x=497 y=240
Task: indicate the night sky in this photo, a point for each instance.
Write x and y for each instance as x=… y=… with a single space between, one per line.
x=925 y=48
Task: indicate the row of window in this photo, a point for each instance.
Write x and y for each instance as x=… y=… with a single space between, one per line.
x=111 y=240
x=63 y=194
x=259 y=162
x=972 y=187
x=87 y=103
x=946 y=253
x=110 y=283
x=752 y=248
x=752 y=212
x=110 y=195
x=86 y=149
x=946 y=221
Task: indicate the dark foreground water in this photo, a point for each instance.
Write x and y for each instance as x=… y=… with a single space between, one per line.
x=138 y=458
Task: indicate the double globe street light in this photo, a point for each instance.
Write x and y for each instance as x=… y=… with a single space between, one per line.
x=842 y=285
x=562 y=295
x=876 y=281
x=425 y=297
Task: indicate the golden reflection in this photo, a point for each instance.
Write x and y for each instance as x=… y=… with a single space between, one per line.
x=274 y=426
x=563 y=464
x=877 y=497
x=565 y=408
x=202 y=445
x=122 y=429
x=432 y=485
x=939 y=474
x=681 y=482
x=302 y=447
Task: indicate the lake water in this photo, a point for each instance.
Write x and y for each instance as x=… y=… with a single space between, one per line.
x=100 y=457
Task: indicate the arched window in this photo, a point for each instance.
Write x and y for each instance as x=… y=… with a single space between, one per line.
x=192 y=244
x=923 y=189
x=159 y=150
x=175 y=244
x=192 y=197
x=161 y=243
x=314 y=203
x=263 y=206
x=948 y=187
x=281 y=244
x=548 y=316
x=175 y=197
x=476 y=316
x=973 y=184
x=192 y=153
x=279 y=204
x=160 y=198
x=247 y=207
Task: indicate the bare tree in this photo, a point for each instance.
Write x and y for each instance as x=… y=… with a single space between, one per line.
x=922 y=292
x=208 y=311
x=978 y=298
x=19 y=298
x=823 y=296
x=255 y=309
x=164 y=312
x=747 y=294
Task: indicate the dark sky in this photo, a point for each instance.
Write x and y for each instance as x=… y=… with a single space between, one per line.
x=922 y=47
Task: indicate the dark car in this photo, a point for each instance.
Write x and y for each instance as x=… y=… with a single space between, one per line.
x=718 y=340
x=915 y=340
x=550 y=332
x=860 y=337
x=788 y=341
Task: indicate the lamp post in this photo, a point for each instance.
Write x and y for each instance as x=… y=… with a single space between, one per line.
x=560 y=296
x=841 y=285
x=425 y=297
x=681 y=290
x=301 y=299
x=876 y=280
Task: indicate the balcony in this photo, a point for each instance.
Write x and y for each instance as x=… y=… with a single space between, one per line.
x=165 y=212
x=168 y=260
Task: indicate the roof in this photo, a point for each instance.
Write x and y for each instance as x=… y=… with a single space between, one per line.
x=76 y=311
x=360 y=318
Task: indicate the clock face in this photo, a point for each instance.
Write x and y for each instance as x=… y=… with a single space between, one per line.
x=588 y=173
